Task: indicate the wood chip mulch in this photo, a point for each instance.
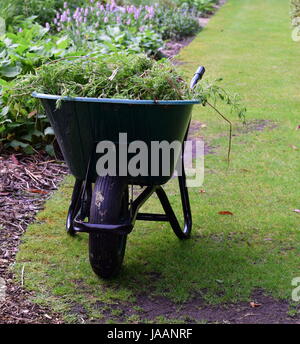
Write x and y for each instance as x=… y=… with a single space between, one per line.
x=25 y=183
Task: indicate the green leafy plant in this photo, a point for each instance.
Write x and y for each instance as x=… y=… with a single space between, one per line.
x=20 y=53
x=112 y=39
x=175 y=23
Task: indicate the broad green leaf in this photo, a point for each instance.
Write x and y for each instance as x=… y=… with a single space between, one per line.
x=10 y=72
x=63 y=42
x=3 y=53
x=4 y=111
x=18 y=144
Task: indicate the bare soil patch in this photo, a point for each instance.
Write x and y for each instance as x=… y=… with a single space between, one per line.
x=256 y=125
x=172 y=48
x=260 y=309
x=267 y=311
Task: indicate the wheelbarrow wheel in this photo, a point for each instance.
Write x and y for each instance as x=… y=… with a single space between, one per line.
x=109 y=205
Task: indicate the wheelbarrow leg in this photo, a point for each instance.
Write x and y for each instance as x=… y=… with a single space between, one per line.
x=74 y=206
x=186 y=231
x=185 y=201
x=186 y=207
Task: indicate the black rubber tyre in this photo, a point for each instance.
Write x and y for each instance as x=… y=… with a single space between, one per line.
x=109 y=205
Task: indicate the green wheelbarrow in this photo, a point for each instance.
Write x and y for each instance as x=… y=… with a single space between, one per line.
x=101 y=205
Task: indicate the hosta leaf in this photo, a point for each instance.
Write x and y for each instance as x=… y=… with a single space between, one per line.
x=10 y=72
x=4 y=111
x=63 y=42
x=18 y=144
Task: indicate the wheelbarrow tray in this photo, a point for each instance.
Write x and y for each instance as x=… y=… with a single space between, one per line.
x=80 y=123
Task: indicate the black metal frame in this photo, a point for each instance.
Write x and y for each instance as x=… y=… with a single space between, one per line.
x=81 y=199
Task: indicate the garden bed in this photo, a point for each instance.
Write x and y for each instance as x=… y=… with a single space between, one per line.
x=25 y=183
x=66 y=29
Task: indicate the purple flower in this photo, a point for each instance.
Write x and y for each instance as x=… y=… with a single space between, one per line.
x=113 y=5
x=137 y=12
x=65 y=4
x=105 y=20
x=131 y=9
x=151 y=11
x=63 y=17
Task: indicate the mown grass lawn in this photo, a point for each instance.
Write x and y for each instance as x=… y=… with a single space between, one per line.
x=247 y=43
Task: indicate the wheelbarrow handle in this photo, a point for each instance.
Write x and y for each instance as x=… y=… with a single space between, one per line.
x=197 y=76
